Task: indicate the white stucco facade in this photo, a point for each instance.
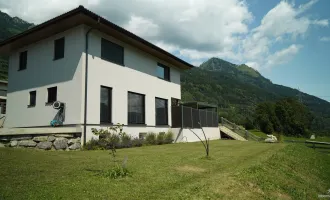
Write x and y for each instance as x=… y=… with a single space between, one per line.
x=43 y=72
x=138 y=75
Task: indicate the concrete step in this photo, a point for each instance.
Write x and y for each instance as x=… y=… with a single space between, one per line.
x=231 y=133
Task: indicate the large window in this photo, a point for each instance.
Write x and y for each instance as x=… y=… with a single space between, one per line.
x=33 y=95
x=136 y=108
x=105 y=105
x=52 y=94
x=59 y=45
x=22 y=60
x=163 y=72
x=161 y=112
x=112 y=52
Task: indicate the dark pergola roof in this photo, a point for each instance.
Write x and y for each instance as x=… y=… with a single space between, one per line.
x=199 y=105
x=80 y=16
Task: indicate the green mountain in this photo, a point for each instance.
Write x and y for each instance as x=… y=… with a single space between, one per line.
x=9 y=26
x=237 y=89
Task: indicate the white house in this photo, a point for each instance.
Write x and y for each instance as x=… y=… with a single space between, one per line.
x=124 y=79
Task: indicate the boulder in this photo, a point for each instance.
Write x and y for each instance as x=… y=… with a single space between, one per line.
x=21 y=137
x=313 y=137
x=2 y=145
x=13 y=143
x=75 y=146
x=27 y=143
x=45 y=145
x=64 y=135
x=271 y=139
x=72 y=141
x=51 y=138
x=40 y=139
x=61 y=143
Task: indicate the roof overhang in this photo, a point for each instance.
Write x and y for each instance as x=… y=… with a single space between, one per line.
x=80 y=16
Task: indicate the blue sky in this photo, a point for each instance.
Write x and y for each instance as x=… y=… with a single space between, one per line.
x=287 y=41
x=309 y=69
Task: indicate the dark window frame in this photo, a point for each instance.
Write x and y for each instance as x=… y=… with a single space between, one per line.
x=22 y=60
x=167 y=72
x=50 y=97
x=109 y=120
x=143 y=106
x=166 y=105
x=33 y=101
x=59 y=48
x=114 y=45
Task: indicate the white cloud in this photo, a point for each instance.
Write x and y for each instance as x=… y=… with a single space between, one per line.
x=283 y=56
x=325 y=39
x=196 y=29
x=142 y=26
x=283 y=21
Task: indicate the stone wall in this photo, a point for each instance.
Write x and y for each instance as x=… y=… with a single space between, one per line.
x=70 y=141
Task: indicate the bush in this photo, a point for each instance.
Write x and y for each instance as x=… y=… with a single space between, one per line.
x=117 y=172
x=126 y=140
x=93 y=144
x=279 y=137
x=248 y=124
x=136 y=142
x=112 y=141
x=169 y=137
x=161 y=138
x=151 y=138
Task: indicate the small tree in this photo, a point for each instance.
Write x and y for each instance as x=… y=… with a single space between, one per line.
x=112 y=137
x=205 y=143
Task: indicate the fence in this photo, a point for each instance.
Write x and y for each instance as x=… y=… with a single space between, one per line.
x=188 y=117
x=239 y=130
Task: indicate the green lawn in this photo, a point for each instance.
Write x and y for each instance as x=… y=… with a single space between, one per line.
x=236 y=170
x=320 y=138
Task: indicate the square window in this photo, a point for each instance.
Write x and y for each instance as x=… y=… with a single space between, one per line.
x=52 y=94
x=136 y=108
x=112 y=52
x=22 y=60
x=163 y=72
x=59 y=45
x=33 y=95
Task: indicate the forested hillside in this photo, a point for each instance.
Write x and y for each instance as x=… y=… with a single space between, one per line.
x=238 y=89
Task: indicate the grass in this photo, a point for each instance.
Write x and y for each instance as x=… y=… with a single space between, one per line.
x=320 y=138
x=236 y=170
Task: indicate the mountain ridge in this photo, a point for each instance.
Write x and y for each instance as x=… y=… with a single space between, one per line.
x=237 y=89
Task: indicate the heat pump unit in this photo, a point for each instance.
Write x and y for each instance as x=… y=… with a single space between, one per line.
x=58 y=105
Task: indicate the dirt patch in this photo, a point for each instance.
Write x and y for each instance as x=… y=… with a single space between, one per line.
x=189 y=168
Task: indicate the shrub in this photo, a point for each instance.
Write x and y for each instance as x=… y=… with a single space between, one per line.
x=248 y=124
x=279 y=137
x=126 y=140
x=110 y=138
x=117 y=172
x=93 y=144
x=151 y=138
x=113 y=141
x=169 y=137
x=136 y=142
x=160 y=138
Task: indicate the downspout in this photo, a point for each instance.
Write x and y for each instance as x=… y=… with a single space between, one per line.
x=86 y=79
